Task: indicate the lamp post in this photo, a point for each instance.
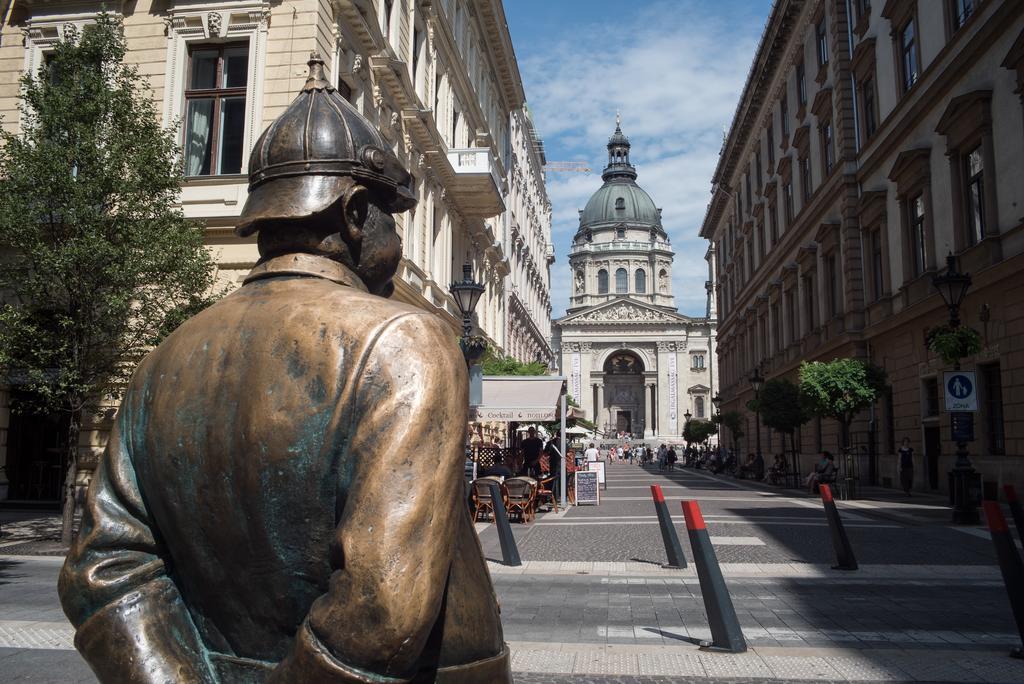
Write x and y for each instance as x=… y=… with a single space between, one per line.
x=756 y=381
x=952 y=286
x=467 y=293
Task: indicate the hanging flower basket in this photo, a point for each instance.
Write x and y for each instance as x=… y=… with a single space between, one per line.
x=953 y=344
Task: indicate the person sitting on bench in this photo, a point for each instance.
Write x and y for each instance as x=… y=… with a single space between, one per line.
x=824 y=472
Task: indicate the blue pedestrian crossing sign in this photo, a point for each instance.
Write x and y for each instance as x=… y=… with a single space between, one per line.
x=961 y=391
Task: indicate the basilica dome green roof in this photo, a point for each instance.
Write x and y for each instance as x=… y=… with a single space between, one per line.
x=620 y=201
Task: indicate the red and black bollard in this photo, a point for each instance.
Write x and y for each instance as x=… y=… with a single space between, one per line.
x=840 y=542
x=726 y=634
x=1010 y=565
x=673 y=550
x=1015 y=509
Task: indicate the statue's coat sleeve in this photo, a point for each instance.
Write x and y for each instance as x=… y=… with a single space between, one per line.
x=393 y=542
x=131 y=624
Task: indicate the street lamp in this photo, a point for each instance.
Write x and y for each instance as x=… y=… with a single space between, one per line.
x=687 y=415
x=467 y=293
x=756 y=381
x=952 y=286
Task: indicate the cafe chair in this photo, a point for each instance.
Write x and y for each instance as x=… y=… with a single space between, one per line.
x=522 y=493
x=482 y=502
x=546 y=493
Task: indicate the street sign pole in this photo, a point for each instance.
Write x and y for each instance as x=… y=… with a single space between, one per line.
x=961 y=402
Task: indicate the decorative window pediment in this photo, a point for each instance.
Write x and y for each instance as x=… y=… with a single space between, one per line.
x=966 y=118
x=821 y=107
x=911 y=170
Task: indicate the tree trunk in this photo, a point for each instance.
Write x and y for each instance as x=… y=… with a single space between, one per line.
x=71 y=477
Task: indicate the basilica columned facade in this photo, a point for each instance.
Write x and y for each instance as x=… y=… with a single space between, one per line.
x=634 y=363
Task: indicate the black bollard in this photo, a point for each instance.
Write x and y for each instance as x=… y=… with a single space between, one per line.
x=1010 y=565
x=726 y=634
x=840 y=543
x=673 y=550
x=509 y=551
x=1015 y=509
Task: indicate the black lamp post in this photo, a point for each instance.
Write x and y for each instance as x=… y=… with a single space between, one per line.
x=687 y=416
x=756 y=381
x=467 y=295
x=952 y=286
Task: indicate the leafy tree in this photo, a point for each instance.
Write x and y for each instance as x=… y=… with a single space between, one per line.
x=733 y=421
x=698 y=431
x=100 y=264
x=496 y=363
x=783 y=408
x=840 y=388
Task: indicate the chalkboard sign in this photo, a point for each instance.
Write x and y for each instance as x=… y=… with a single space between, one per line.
x=586 y=488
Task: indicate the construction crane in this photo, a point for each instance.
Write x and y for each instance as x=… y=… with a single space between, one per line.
x=567 y=167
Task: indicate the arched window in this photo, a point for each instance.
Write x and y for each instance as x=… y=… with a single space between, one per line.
x=602 y=282
x=698 y=407
x=641 y=281
x=620 y=233
x=621 y=281
x=698 y=362
x=620 y=203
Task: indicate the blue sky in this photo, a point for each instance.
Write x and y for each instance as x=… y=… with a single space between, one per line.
x=674 y=68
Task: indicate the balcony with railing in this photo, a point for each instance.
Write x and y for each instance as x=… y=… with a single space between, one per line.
x=475 y=183
x=621 y=245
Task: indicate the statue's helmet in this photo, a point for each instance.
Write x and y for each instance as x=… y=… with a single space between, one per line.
x=298 y=167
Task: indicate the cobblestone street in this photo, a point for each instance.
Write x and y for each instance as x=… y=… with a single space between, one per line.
x=592 y=604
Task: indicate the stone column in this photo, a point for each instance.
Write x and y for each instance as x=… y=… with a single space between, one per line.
x=648 y=420
x=599 y=413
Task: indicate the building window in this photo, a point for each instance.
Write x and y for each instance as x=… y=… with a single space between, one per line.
x=698 y=407
x=773 y=223
x=930 y=397
x=863 y=8
x=974 y=183
x=345 y=90
x=810 y=310
x=777 y=327
x=758 y=169
x=992 y=389
x=620 y=204
x=908 y=54
x=697 y=361
x=961 y=11
x=801 y=85
x=832 y=283
x=641 y=281
x=784 y=114
x=805 y=179
x=787 y=196
x=877 y=281
x=915 y=222
x=602 y=282
x=746 y=177
x=620 y=233
x=827 y=151
x=215 y=109
x=791 y=315
x=821 y=34
x=621 y=281
x=869 y=104
x=771 y=146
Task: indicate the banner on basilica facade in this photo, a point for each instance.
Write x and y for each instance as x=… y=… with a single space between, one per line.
x=673 y=394
x=577 y=389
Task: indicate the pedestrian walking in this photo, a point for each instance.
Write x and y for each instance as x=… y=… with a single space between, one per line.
x=906 y=466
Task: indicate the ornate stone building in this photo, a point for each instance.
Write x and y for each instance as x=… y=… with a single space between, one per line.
x=634 y=363
x=873 y=139
x=438 y=77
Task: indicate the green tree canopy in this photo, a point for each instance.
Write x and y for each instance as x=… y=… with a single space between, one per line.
x=698 y=431
x=840 y=388
x=496 y=363
x=99 y=262
x=783 y=406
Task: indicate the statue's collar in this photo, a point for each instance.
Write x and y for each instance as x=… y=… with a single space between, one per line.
x=309 y=265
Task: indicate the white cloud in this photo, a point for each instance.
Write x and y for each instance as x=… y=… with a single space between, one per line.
x=675 y=72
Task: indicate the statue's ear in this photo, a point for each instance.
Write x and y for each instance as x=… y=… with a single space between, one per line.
x=355 y=205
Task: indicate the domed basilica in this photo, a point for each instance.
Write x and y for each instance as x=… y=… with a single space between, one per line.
x=633 y=362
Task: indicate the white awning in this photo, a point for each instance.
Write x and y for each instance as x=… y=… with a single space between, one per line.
x=517 y=398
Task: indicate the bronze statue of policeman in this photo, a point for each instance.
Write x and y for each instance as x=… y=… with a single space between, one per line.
x=281 y=497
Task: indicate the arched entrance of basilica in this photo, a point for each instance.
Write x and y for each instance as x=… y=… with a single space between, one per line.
x=624 y=393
